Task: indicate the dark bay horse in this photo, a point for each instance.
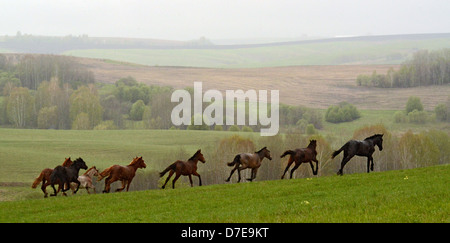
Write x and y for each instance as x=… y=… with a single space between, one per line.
x=63 y=176
x=302 y=155
x=123 y=173
x=44 y=176
x=360 y=148
x=186 y=168
x=248 y=160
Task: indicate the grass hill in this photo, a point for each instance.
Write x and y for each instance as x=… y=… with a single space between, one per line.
x=417 y=195
x=336 y=51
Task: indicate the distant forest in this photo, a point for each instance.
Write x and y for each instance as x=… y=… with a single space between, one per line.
x=57 y=92
x=425 y=68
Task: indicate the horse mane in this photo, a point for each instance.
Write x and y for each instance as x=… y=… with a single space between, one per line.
x=78 y=160
x=135 y=160
x=193 y=156
x=311 y=142
x=261 y=150
x=373 y=136
x=85 y=173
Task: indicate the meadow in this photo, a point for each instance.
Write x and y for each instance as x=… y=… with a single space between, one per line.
x=416 y=195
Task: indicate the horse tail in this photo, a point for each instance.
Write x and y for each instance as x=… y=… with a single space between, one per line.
x=170 y=167
x=335 y=153
x=38 y=180
x=104 y=174
x=237 y=159
x=287 y=152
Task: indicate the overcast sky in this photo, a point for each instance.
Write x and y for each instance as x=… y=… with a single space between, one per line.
x=223 y=19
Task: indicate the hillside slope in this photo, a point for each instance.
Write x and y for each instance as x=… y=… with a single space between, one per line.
x=417 y=195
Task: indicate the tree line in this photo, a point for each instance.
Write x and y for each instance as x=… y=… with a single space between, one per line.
x=424 y=68
x=57 y=92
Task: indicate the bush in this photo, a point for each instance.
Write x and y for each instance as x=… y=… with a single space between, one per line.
x=413 y=103
x=441 y=111
x=137 y=110
x=419 y=117
x=247 y=129
x=234 y=128
x=400 y=117
x=310 y=130
x=344 y=112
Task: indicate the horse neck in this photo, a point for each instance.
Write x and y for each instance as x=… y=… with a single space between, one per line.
x=89 y=173
x=193 y=161
x=134 y=166
x=261 y=155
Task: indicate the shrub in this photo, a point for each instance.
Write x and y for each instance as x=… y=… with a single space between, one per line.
x=247 y=129
x=234 y=128
x=419 y=117
x=344 y=112
x=413 y=103
x=441 y=111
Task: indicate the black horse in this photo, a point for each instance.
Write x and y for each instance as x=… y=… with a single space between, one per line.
x=66 y=175
x=361 y=148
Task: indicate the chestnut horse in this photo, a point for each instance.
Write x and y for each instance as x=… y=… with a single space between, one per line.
x=186 y=168
x=302 y=155
x=45 y=177
x=247 y=160
x=125 y=174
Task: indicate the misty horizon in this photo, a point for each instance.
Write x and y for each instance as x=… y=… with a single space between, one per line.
x=223 y=20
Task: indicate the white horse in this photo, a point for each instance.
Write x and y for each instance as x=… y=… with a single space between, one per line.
x=86 y=180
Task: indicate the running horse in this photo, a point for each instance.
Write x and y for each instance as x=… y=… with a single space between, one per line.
x=302 y=155
x=248 y=161
x=360 y=148
x=86 y=180
x=186 y=168
x=44 y=176
x=63 y=176
x=125 y=174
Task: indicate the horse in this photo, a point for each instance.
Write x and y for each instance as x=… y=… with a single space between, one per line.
x=86 y=180
x=186 y=168
x=360 y=148
x=125 y=174
x=302 y=155
x=248 y=160
x=65 y=175
x=44 y=176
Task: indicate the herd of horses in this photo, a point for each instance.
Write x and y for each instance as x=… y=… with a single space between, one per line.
x=66 y=175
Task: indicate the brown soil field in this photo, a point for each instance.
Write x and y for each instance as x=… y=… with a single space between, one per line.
x=311 y=86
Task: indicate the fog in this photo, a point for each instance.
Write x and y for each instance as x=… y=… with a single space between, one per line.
x=223 y=19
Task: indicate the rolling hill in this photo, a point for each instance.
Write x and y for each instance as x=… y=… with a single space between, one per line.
x=416 y=195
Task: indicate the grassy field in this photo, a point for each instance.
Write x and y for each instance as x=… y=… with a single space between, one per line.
x=335 y=52
x=417 y=195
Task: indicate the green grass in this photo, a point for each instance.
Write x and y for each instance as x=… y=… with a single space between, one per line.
x=417 y=195
x=25 y=152
x=329 y=53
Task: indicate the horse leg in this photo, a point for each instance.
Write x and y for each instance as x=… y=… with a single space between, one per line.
x=190 y=180
x=44 y=187
x=167 y=179
x=107 y=184
x=232 y=171
x=344 y=161
x=371 y=165
x=317 y=166
x=293 y=169
x=287 y=167
x=129 y=183
x=199 y=178
x=123 y=186
x=54 y=190
x=177 y=175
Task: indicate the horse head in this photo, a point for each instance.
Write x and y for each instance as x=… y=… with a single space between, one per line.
x=139 y=162
x=265 y=153
x=80 y=163
x=379 y=142
x=200 y=156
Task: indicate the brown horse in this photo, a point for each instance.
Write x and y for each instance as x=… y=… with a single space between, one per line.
x=187 y=168
x=302 y=155
x=247 y=160
x=122 y=173
x=45 y=177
